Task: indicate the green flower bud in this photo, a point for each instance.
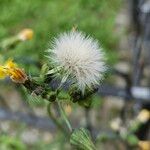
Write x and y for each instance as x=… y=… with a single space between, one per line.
x=81 y=139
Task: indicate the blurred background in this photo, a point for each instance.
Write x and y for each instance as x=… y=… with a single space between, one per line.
x=118 y=25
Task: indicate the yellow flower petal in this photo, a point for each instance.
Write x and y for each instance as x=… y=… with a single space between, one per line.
x=10 y=64
x=144 y=145
x=144 y=115
x=3 y=73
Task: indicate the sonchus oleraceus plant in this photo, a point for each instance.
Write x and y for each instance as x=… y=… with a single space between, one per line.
x=74 y=57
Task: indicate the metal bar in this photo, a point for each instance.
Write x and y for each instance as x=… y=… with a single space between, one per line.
x=141 y=93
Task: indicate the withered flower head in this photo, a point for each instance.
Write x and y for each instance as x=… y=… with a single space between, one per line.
x=10 y=69
x=26 y=34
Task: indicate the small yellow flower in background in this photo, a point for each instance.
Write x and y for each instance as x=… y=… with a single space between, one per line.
x=143 y=116
x=144 y=145
x=10 y=69
x=26 y=34
x=116 y=124
x=68 y=109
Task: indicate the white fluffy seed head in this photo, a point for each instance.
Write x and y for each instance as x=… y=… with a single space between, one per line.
x=79 y=57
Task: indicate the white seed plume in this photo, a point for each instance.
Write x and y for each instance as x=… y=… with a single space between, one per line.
x=79 y=57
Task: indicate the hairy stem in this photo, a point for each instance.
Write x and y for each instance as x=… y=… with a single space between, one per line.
x=55 y=120
x=64 y=116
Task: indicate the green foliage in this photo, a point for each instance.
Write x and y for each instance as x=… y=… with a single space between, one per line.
x=132 y=140
x=96 y=101
x=63 y=96
x=11 y=143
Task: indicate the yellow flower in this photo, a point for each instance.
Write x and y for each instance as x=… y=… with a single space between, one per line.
x=143 y=116
x=25 y=34
x=68 y=109
x=10 y=69
x=144 y=145
x=116 y=124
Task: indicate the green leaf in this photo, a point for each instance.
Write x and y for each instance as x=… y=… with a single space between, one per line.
x=11 y=143
x=132 y=140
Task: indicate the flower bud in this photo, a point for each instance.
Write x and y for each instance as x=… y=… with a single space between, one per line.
x=143 y=116
x=25 y=34
x=82 y=139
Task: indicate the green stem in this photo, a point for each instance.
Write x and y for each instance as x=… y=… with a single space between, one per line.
x=9 y=43
x=55 y=120
x=64 y=116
